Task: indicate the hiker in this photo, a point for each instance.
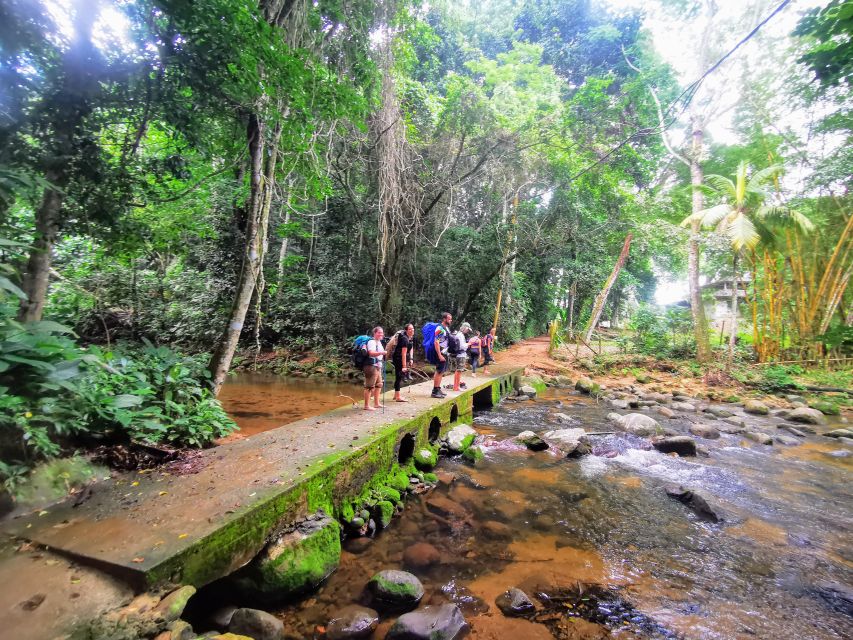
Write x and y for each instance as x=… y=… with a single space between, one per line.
x=458 y=348
x=374 y=369
x=474 y=345
x=435 y=350
x=401 y=347
x=488 y=347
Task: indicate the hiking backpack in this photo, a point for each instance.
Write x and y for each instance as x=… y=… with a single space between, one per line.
x=453 y=344
x=429 y=341
x=391 y=347
x=360 y=356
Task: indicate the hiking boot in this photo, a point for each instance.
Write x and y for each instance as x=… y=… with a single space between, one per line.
x=438 y=393
x=462 y=385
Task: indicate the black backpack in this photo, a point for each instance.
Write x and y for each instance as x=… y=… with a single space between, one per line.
x=453 y=344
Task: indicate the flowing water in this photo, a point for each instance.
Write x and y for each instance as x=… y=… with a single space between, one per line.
x=607 y=553
x=259 y=402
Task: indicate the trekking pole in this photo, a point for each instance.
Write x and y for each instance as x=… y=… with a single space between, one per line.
x=384 y=370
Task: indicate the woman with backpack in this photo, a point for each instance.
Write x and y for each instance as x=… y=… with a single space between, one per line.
x=474 y=352
x=401 y=348
x=374 y=369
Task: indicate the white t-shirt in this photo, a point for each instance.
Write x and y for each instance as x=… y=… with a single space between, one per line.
x=374 y=346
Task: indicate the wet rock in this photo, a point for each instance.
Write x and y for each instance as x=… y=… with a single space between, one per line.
x=442 y=622
x=682 y=445
x=527 y=390
x=836 y=595
x=666 y=412
x=788 y=441
x=656 y=397
x=514 y=602
x=698 y=503
x=531 y=441
x=221 y=618
x=460 y=438
x=256 y=624
x=445 y=478
x=213 y=635
x=758 y=436
x=807 y=416
x=395 y=590
x=445 y=507
x=794 y=398
x=718 y=411
x=563 y=381
x=474 y=454
x=637 y=424
x=172 y=606
x=564 y=418
x=756 y=407
x=357 y=545
x=421 y=555
x=425 y=459
x=181 y=630
x=839 y=433
x=298 y=560
x=572 y=442
x=383 y=513
x=683 y=406
x=647 y=403
x=678 y=397
x=352 y=622
x=618 y=404
x=496 y=530
x=587 y=386
x=801 y=429
x=705 y=431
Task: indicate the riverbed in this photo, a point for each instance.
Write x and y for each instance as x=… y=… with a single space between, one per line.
x=605 y=552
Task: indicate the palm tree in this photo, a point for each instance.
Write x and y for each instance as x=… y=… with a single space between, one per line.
x=745 y=219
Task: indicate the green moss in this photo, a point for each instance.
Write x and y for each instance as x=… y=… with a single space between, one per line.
x=402 y=589
x=467 y=441
x=430 y=477
x=389 y=494
x=399 y=480
x=825 y=407
x=733 y=398
x=383 y=513
x=473 y=454
x=534 y=381
x=426 y=458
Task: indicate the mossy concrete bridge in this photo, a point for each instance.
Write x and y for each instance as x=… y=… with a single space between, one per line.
x=153 y=528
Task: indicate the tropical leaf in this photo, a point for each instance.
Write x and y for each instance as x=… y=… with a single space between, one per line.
x=740 y=183
x=762 y=176
x=742 y=232
x=721 y=185
x=712 y=216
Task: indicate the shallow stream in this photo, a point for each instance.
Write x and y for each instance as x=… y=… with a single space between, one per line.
x=609 y=553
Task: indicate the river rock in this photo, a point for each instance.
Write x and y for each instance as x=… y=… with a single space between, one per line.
x=527 y=390
x=352 y=622
x=298 y=560
x=694 y=501
x=682 y=445
x=756 y=407
x=357 y=545
x=647 y=403
x=425 y=459
x=826 y=408
x=531 y=441
x=514 y=602
x=655 y=397
x=460 y=438
x=172 y=606
x=587 y=386
x=788 y=441
x=446 y=508
x=666 y=412
x=496 y=530
x=758 y=436
x=637 y=424
x=435 y=622
x=563 y=381
x=806 y=415
x=793 y=430
x=564 y=418
x=839 y=433
x=718 y=411
x=705 y=431
x=572 y=442
x=421 y=555
x=683 y=406
x=794 y=398
x=838 y=596
x=395 y=590
x=680 y=397
x=256 y=624
x=619 y=404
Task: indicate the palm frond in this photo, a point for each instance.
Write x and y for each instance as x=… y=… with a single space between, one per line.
x=713 y=215
x=742 y=232
x=740 y=182
x=761 y=177
x=721 y=184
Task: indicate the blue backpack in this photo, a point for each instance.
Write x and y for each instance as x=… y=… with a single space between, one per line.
x=429 y=341
x=360 y=356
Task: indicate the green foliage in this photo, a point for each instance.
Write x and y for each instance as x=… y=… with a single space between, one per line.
x=778 y=378
x=664 y=335
x=829 y=33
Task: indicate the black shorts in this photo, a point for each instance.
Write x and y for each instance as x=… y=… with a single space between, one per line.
x=441 y=367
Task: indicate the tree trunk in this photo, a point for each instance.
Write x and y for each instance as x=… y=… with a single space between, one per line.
x=733 y=327
x=601 y=298
x=35 y=279
x=697 y=309
x=258 y=215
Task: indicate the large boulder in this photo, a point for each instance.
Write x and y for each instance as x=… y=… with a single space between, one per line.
x=682 y=445
x=297 y=561
x=806 y=415
x=587 y=386
x=256 y=624
x=437 y=622
x=638 y=424
x=514 y=602
x=705 y=431
x=696 y=502
x=572 y=442
x=756 y=407
x=352 y=622
x=460 y=438
x=425 y=459
x=531 y=441
x=394 y=590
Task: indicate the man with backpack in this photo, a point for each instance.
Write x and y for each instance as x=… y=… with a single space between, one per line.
x=435 y=349
x=458 y=349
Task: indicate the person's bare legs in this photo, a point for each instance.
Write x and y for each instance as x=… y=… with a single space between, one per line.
x=436 y=380
x=457 y=378
x=367 y=406
x=377 y=391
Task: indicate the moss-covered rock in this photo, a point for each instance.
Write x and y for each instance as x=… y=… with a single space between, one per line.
x=395 y=590
x=473 y=454
x=826 y=408
x=431 y=478
x=425 y=459
x=390 y=494
x=298 y=561
x=383 y=511
x=172 y=606
x=398 y=480
x=536 y=382
x=460 y=438
x=585 y=385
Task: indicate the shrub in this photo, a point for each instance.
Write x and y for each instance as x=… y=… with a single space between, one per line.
x=776 y=378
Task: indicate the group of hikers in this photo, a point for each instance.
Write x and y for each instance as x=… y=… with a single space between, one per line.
x=445 y=348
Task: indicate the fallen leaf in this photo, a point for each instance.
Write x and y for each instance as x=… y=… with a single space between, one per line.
x=163 y=493
x=138 y=560
x=135 y=483
x=183 y=535
x=42 y=513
